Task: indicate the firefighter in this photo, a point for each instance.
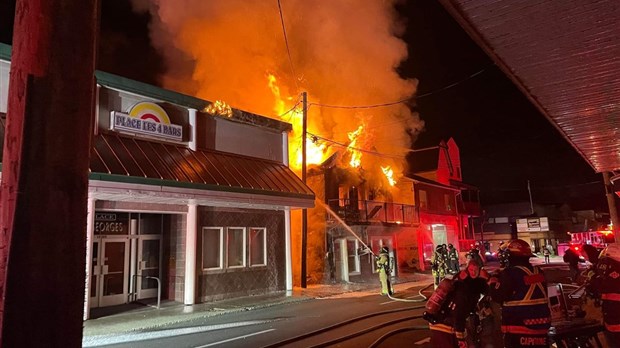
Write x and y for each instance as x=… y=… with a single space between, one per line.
x=605 y=284
x=521 y=290
x=474 y=253
x=438 y=265
x=453 y=259
x=452 y=303
x=384 y=269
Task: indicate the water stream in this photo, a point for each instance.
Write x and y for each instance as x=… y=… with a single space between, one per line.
x=347 y=227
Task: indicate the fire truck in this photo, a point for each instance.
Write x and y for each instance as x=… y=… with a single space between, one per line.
x=598 y=239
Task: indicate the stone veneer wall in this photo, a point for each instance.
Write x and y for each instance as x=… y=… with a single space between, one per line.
x=236 y=282
x=174 y=236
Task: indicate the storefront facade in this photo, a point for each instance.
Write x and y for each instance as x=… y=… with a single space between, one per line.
x=183 y=205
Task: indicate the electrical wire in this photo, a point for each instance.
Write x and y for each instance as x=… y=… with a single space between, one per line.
x=452 y=84
x=288 y=50
x=414 y=97
x=371 y=106
x=379 y=154
x=291 y=109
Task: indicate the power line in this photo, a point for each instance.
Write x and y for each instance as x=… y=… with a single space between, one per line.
x=371 y=106
x=291 y=109
x=379 y=154
x=288 y=50
x=453 y=84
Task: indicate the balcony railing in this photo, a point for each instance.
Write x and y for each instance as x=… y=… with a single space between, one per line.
x=374 y=211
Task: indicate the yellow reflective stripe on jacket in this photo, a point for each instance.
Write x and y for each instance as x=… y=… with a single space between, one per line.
x=441 y=327
x=527 y=300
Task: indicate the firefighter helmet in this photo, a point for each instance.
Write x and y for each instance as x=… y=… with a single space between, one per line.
x=519 y=248
x=438 y=247
x=612 y=251
x=384 y=250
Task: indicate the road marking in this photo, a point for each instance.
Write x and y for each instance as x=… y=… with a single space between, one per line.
x=421 y=342
x=235 y=338
x=102 y=340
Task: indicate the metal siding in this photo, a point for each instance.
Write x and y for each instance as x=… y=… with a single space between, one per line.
x=564 y=56
x=121 y=155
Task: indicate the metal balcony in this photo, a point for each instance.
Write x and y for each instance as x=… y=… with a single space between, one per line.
x=366 y=212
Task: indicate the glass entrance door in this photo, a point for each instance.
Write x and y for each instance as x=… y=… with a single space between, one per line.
x=149 y=264
x=113 y=278
x=95 y=272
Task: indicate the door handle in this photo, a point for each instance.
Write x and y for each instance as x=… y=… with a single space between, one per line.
x=104 y=269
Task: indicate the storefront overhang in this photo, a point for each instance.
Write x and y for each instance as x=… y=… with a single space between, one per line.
x=563 y=55
x=130 y=169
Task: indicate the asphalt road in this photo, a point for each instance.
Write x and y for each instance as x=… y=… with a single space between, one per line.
x=272 y=326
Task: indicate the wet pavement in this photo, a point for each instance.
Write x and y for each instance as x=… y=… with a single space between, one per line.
x=133 y=318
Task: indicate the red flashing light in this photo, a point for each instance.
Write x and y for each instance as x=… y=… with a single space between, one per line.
x=607 y=233
x=576 y=248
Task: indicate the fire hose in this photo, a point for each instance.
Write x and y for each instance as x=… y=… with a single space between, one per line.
x=424 y=298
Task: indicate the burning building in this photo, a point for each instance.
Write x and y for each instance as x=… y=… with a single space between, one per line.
x=410 y=214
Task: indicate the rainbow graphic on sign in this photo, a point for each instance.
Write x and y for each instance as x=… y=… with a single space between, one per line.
x=148 y=119
x=149 y=111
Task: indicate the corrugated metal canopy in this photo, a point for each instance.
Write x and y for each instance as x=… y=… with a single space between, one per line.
x=565 y=56
x=177 y=171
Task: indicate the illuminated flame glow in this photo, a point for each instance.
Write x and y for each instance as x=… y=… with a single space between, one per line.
x=219 y=108
x=356 y=155
x=316 y=152
x=389 y=174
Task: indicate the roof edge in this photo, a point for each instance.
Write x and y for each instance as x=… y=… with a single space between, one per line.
x=179 y=184
x=456 y=12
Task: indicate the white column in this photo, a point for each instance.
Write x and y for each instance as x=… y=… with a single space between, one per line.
x=287 y=251
x=90 y=229
x=287 y=224
x=190 y=254
x=133 y=262
x=192 y=128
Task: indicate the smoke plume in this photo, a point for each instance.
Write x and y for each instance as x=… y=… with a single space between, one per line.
x=342 y=52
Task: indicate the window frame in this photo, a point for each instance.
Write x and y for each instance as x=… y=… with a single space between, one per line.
x=221 y=248
x=356 y=257
x=264 y=251
x=423 y=202
x=244 y=251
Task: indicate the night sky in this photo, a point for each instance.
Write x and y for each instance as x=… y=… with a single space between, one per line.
x=504 y=140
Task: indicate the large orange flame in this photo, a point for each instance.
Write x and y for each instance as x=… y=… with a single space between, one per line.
x=389 y=174
x=290 y=111
x=356 y=155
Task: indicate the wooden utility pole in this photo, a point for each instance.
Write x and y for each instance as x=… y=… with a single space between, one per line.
x=304 y=212
x=45 y=173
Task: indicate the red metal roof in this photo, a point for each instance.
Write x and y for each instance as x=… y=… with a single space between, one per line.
x=117 y=157
x=565 y=56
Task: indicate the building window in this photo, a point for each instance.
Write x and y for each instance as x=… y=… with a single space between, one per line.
x=423 y=199
x=258 y=246
x=447 y=201
x=212 y=246
x=235 y=247
x=353 y=259
x=501 y=220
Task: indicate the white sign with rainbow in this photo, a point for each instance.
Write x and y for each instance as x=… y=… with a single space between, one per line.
x=147 y=119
